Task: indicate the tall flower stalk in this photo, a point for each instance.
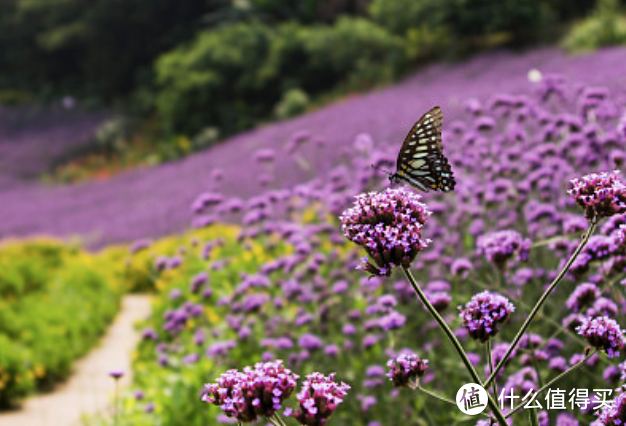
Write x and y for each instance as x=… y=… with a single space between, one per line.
x=493 y=405
x=540 y=303
x=389 y=226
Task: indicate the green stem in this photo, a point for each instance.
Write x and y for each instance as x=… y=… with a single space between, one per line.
x=276 y=420
x=116 y=404
x=532 y=417
x=434 y=395
x=457 y=345
x=540 y=303
x=490 y=360
x=556 y=379
x=443 y=398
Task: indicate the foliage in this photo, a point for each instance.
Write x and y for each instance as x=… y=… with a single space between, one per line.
x=139 y=272
x=91 y=48
x=56 y=302
x=471 y=26
x=606 y=26
x=294 y=102
x=231 y=77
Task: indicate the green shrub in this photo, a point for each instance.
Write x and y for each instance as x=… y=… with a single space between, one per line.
x=17 y=372
x=472 y=25
x=399 y=16
x=56 y=302
x=15 y=97
x=232 y=77
x=215 y=80
x=103 y=51
x=606 y=26
x=294 y=102
x=354 y=53
x=112 y=134
x=206 y=137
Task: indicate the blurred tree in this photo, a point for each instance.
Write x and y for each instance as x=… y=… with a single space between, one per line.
x=94 y=47
x=234 y=76
x=476 y=24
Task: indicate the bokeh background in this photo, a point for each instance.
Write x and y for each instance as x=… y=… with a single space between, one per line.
x=199 y=152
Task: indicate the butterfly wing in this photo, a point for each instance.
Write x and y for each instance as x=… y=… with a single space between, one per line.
x=421 y=162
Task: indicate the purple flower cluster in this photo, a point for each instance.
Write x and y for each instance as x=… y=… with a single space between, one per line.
x=599 y=195
x=614 y=414
x=602 y=333
x=406 y=369
x=255 y=392
x=388 y=225
x=319 y=397
x=583 y=295
x=482 y=315
x=498 y=247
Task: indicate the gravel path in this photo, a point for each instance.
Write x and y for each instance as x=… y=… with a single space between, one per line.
x=89 y=389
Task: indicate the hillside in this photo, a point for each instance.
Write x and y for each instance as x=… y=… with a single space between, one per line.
x=156 y=201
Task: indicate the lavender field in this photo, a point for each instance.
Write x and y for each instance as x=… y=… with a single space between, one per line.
x=152 y=202
x=336 y=302
x=332 y=299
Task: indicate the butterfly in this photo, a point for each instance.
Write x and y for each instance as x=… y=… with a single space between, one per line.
x=421 y=163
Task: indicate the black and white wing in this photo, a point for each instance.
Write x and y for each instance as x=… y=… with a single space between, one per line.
x=421 y=163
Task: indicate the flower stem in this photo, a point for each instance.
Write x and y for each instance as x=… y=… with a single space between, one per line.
x=556 y=379
x=442 y=398
x=490 y=360
x=276 y=420
x=434 y=395
x=457 y=345
x=532 y=417
x=540 y=303
x=116 y=404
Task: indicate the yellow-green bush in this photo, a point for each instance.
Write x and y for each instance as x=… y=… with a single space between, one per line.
x=56 y=302
x=136 y=268
x=606 y=26
x=231 y=77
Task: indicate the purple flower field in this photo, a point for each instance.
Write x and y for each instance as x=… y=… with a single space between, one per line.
x=519 y=272
x=33 y=138
x=153 y=202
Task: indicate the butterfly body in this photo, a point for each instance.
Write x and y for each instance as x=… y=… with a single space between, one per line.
x=421 y=163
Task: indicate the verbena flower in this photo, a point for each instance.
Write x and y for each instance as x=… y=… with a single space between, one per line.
x=319 y=398
x=603 y=307
x=602 y=333
x=255 y=392
x=484 y=313
x=500 y=246
x=439 y=299
x=611 y=374
x=566 y=419
x=198 y=281
x=614 y=414
x=310 y=342
x=406 y=369
x=116 y=374
x=599 y=195
x=583 y=295
x=392 y=321
x=205 y=200
x=389 y=226
x=139 y=245
x=461 y=267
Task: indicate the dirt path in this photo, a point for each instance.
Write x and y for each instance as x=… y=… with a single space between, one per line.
x=90 y=388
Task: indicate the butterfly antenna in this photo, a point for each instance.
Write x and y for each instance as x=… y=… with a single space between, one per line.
x=382 y=170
